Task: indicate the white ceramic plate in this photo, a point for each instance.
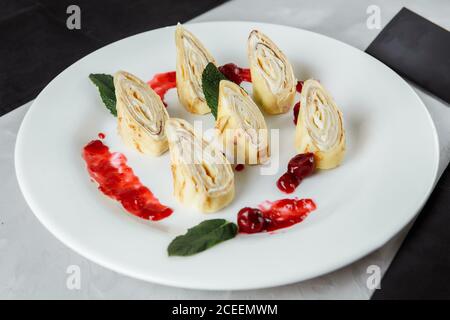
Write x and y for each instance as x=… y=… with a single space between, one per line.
x=388 y=172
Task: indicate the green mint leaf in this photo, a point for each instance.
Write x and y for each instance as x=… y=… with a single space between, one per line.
x=105 y=85
x=201 y=237
x=211 y=78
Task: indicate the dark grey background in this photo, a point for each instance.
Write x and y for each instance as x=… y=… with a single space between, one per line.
x=36 y=45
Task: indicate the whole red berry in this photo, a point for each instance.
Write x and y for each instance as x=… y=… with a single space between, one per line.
x=250 y=220
x=302 y=165
x=234 y=73
x=296 y=111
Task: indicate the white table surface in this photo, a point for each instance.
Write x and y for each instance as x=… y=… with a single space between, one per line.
x=33 y=264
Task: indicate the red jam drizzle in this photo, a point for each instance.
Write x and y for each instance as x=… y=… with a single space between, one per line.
x=117 y=180
x=286 y=212
x=163 y=82
x=239 y=167
x=235 y=73
x=296 y=111
x=299 y=167
x=271 y=216
x=101 y=135
x=299 y=88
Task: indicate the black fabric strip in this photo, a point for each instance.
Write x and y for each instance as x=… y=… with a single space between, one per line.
x=420 y=51
x=421 y=267
x=36 y=45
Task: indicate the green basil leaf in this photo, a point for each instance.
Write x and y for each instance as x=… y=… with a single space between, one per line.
x=105 y=85
x=211 y=78
x=201 y=237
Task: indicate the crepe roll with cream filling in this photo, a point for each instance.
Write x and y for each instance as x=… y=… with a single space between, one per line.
x=320 y=128
x=192 y=58
x=141 y=115
x=272 y=75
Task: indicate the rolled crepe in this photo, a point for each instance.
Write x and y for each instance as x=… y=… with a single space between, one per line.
x=240 y=125
x=320 y=126
x=272 y=75
x=202 y=176
x=141 y=115
x=192 y=58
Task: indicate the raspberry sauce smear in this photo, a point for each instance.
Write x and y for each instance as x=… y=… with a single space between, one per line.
x=163 y=82
x=117 y=180
x=271 y=216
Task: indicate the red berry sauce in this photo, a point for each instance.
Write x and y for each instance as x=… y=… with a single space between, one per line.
x=271 y=216
x=296 y=111
x=288 y=182
x=101 y=135
x=286 y=212
x=299 y=167
x=117 y=180
x=299 y=86
x=163 y=82
x=239 y=167
x=302 y=165
x=236 y=74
